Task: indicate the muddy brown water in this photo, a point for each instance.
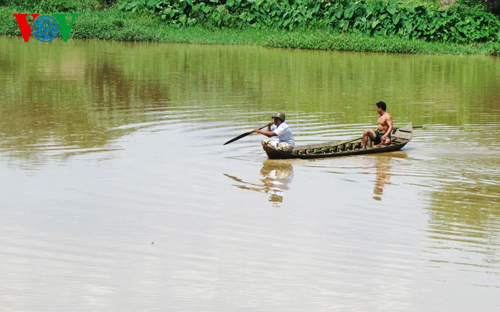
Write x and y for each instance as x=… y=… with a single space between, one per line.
x=117 y=193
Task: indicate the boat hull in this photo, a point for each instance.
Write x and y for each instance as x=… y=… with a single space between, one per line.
x=400 y=137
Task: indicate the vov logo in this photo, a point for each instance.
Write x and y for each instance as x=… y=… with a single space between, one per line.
x=45 y=28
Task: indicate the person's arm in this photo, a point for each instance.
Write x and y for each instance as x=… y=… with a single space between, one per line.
x=268 y=133
x=389 y=131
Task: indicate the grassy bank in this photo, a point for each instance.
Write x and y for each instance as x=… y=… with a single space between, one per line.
x=96 y=21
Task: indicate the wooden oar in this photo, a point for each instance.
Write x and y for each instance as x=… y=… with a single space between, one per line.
x=242 y=136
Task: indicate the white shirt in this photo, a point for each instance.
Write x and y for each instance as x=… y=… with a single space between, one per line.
x=284 y=134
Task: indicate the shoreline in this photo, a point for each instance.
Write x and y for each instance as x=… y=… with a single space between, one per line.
x=115 y=25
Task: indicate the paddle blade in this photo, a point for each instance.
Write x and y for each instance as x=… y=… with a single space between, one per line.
x=237 y=138
x=242 y=136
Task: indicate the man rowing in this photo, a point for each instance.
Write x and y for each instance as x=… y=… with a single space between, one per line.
x=382 y=135
x=278 y=128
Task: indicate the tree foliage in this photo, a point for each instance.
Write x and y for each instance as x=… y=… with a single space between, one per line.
x=459 y=23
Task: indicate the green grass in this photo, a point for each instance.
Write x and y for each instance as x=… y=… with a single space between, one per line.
x=320 y=40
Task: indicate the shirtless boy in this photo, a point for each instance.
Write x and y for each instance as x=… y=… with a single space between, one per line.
x=382 y=135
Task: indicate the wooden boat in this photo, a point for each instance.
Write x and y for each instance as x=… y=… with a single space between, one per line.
x=400 y=137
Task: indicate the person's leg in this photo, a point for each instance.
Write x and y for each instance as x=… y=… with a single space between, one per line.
x=266 y=142
x=369 y=133
x=285 y=147
x=388 y=140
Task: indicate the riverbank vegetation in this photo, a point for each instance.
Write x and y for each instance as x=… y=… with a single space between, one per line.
x=414 y=26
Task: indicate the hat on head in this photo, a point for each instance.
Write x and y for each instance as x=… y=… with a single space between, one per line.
x=279 y=115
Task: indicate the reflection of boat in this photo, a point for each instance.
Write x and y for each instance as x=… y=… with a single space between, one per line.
x=276 y=177
x=400 y=137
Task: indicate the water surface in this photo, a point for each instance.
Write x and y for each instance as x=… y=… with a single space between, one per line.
x=117 y=193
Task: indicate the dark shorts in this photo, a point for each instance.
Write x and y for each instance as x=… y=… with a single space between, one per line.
x=379 y=135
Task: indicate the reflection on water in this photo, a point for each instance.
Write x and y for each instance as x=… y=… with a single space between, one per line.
x=383 y=176
x=276 y=176
x=80 y=96
x=465 y=208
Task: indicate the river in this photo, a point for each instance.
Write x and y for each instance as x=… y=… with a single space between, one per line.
x=117 y=193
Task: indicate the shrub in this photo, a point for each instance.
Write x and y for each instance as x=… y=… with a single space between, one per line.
x=459 y=23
